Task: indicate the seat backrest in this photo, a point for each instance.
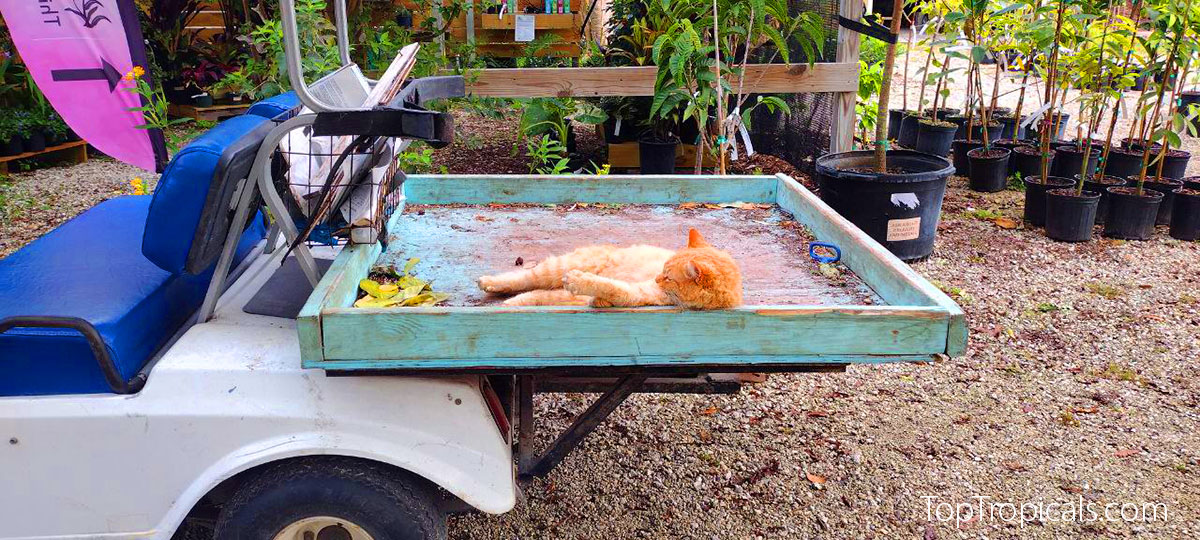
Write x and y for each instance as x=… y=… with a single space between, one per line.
x=193 y=202
x=274 y=106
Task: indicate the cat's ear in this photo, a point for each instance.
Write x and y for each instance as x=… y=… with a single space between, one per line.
x=698 y=271
x=695 y=240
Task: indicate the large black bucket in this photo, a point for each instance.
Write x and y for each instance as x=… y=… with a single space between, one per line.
x=899 y=210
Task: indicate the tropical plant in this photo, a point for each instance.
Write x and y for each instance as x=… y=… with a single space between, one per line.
x=885 y=92
x=703 y=60
x=1174 y=21
x=153 y=104
x=546 y=155
x=171 y=42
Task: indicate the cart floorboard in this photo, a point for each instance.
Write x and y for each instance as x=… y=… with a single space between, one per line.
x=465 y=226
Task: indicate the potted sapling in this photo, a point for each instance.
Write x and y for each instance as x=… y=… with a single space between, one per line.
x=10 y=140
x=1038 y=183
x=1134 y=210
x=895 y=196
x=988 y=164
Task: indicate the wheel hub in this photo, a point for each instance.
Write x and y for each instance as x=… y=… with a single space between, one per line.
x=323 y=528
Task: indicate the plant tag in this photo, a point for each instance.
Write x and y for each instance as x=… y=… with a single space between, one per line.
x=903 y=229
x=617 y=128
x=524 y=28
x=1035 y=115
x=745 y=137
x=906 y=200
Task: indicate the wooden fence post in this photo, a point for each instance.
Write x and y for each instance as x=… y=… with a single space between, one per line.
x=841 y=138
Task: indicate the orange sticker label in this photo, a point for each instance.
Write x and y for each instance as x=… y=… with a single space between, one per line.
x=903 y=229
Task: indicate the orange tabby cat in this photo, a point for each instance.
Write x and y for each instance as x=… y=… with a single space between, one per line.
x=696 y=277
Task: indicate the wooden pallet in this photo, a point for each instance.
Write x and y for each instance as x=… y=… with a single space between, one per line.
x=75 y=151
x=215 y=113
x=625 y=156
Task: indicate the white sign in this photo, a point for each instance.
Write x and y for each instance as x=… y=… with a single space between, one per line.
x=524 y=28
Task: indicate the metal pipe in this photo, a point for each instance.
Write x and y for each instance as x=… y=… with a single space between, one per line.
x=294 y=63
x=343 y=32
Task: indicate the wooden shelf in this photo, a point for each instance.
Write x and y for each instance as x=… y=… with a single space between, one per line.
x=76 y=151
x=541 y=21
x=215 y=113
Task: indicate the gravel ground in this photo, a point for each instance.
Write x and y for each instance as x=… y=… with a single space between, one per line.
x=33 y=203
x=1078 y=385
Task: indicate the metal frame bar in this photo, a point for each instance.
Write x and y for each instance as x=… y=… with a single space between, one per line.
x=584 y=424
x=108 y=367
x=259 y=181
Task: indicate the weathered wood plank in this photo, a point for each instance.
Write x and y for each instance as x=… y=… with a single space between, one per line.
x=591 y=362
x=338 y=287
x=639 y=80
x=541 y=21
x=609 y=189
x=893 y=280
x=841 y=138
x=486 y=332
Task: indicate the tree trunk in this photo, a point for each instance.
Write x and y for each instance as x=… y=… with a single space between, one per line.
x=889 y=65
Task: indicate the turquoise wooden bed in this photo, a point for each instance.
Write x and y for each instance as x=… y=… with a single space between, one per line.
x=462 y=226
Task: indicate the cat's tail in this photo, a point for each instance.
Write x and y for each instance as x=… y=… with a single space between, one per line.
x=547 y=297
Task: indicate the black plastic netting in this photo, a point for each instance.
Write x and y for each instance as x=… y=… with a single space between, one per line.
x=802 y=136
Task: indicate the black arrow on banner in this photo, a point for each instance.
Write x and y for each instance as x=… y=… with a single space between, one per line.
x=106 y=72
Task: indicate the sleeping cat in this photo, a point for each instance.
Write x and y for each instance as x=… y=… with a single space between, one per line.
x=698 y=276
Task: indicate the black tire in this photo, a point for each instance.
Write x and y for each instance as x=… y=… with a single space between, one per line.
x=388 y=504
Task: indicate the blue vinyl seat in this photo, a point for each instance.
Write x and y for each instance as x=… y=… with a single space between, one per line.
x=274 y=106
x=123 y=267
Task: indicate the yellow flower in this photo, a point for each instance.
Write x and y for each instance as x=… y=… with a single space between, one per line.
x=139 y=187
x=138 y=71
x=129 y=76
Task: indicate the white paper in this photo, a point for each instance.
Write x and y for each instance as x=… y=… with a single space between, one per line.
x=524 y=28
x=617 y=128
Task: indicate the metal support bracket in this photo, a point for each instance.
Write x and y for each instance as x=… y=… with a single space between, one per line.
x=583 y=425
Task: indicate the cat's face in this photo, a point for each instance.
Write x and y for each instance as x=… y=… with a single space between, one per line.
x=701 y=276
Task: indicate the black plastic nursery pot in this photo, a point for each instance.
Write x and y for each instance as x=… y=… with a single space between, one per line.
x=1123 y=162
x=960 y=121
x=1167 y=187
x=35 y=142
x=1035 y=197
x=895 y=117
x=1069 y=160
x=1010 y=128
x=203 y=100
x=1188 y=98
x=1034 y=131
x=1100 y=184
x=657 y=156
x=1138 y=144
x=989 y=169
x=1009 y=144
x=908 y=129
x=1174 y=166
x=962 y=166
x=994 y=130
x=1029 y=161
x=1192 y=182
x=12 y=147
x=942 y=112
x=1130 y=214
x=1071 y=217
x=934 y=137
x=1185 y=218
x=899 y=209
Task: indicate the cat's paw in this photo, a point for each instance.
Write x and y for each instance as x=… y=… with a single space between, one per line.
x=601 y=303
x=490 y=284
x=576 y=281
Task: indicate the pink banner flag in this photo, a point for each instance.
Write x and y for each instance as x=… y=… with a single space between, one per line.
x=82 y=54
